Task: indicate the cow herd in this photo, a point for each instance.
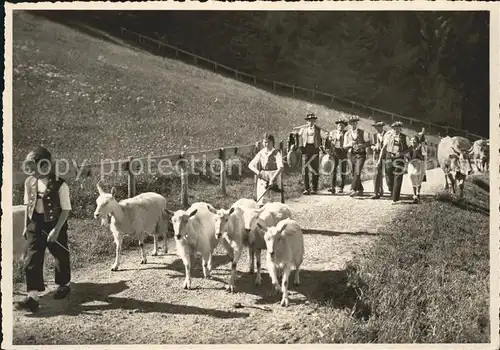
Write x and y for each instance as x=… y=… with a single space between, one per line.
x=454 y=156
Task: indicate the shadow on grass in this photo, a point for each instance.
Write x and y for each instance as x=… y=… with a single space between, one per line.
x=338 y=233
x=83 y=293
x=467 y=205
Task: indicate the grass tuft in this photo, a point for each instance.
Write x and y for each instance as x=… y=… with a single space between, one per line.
x=427 y=279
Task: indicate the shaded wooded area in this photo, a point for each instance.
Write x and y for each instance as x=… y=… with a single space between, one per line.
x=429 y=65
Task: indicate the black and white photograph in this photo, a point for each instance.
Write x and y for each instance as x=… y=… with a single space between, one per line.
x=247 y=175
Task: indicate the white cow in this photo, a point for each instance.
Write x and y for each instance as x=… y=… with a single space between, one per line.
x=453 y=157
x=480 y=152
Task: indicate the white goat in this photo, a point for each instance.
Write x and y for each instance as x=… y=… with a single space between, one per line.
x=248 y=206
x=18 y=225
x=139 y=216
x=285 y=247
x=230 y=226
x=194 y=232
x=267 y=216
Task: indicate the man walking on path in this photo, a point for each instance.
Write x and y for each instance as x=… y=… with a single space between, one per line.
x=356 y=142
x=334 y=144
x=378 y=186
x=311 y=142
x=393 y=152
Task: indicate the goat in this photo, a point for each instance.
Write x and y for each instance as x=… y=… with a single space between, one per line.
x=230 y=226
x=194 y=232
x=139 y=216
x=19 y=225
x=285 y=247
x=267 y=216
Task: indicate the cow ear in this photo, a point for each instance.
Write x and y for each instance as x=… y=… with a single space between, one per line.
x=193 y=213
x=212 y=209
x=113 y=192
x=99 y=188
x=231 y=210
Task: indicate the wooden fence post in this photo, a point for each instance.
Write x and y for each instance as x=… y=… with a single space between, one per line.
x=293 y=89
x=184 y=182
x=257 y=149
x=222 y=157
x=274 y=85
x=281 y=177
x=131 y=178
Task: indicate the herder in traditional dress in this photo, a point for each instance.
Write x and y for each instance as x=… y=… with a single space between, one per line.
x=378 y=186
x=48 y=205
x=393 y=152
x=334 y=145
x=356 y=142
x=311 y=143
x=268 y=166
x=421 y=139
x=416 y=166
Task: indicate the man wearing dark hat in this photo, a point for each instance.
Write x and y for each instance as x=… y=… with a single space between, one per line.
x=393 y=151
x=311 y=142
x=334 y=145
x=355 y=142
x=378 y=187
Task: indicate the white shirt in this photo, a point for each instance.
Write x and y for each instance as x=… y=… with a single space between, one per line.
x=350 y=135
x=262 y=158
x=310 y=134
x=42 y=186
x=336 y=134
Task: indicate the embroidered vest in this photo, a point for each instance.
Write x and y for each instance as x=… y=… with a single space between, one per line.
x=393 y=147
x=271 y=162
x=332 y=140
x=317 y=136
x=380 y=141
x=358 y=140
x=50 y=198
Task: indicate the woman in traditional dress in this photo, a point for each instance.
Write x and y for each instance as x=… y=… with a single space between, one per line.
x=416 y=166
x=268 y=166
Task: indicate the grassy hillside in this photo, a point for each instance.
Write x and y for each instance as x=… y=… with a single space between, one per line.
x=427 y=280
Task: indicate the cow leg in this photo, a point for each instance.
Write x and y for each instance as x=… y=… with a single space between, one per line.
x=155 y=245
x=453 y=183
x=284 y=285
x=251 y=257
x=461 y=188
x=165 y=246
x=258 y=278
x=118 y=250
x=446 y=186
x=141 y=249
x=186 y=259
x=206 y=260
x=237 y=254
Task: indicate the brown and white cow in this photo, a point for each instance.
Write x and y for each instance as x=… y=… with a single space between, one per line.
x=453 y=158
x=480 y=153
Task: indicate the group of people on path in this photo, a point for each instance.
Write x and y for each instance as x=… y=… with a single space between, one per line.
x=392 y=153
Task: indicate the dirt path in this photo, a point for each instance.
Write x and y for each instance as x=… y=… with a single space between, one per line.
x=146 y=304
